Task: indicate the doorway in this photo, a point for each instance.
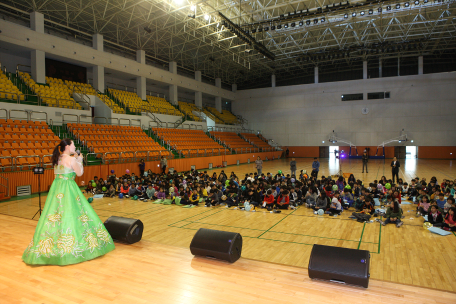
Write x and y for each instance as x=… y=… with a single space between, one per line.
x=331 y=151
x=411 y=152
x=324 y=151
x=399 y=152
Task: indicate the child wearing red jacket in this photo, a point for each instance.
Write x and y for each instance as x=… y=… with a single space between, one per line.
x=283 y=201
x=450 y=220
x=268 y=200
x=124 y=189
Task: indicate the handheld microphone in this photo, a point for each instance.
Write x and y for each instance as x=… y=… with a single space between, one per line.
x=78 y=152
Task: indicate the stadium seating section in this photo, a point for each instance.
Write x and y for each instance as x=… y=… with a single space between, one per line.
x=131 y=100
x=188 y=109
x=111 y=104
x=8 y=90
x=26 y=138
x=231 y=139
x=160 y=105
x=109 y=138
x=212 y=116
x=256 y=140
x=57 y=94
x=225 y=116
x=184 y=140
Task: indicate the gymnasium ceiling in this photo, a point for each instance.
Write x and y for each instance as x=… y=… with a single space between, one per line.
x=193 y=33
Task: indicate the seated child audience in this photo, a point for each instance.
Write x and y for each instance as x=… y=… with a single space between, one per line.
x=393 y=214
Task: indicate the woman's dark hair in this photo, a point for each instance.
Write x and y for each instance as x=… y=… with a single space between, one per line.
x=59 y=149
x=454 y=213
x=395 y=206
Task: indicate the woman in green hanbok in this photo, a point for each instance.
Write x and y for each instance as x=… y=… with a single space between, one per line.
x=68 y=231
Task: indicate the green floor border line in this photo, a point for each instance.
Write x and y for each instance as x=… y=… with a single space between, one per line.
x=267 y=239
x=297 y=234
x=191 y=217
x=361 y=238
x=379 y=238
x=201 y=218
x=278 y=222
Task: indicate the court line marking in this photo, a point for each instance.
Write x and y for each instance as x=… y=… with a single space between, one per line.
x=361 y=238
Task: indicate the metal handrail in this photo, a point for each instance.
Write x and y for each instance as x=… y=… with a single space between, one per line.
x=42 y=160
x=6 y=113
x=106 y=153
x=85 y=116
x=129 y=122
x=111 y=118
x=94 y=117
x=27 y=114
x=63 y=118
x=12 y=165
x=45 y=113
x=136 y=120
x=86 y=158
x=25 y=156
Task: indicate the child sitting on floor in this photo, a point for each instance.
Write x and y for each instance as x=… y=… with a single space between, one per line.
x=435 y=217
x=336 y=206
x=393 y=214
x=450 y=220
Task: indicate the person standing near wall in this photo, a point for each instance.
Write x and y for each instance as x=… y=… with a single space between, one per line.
x=315 y=167
x=365 y=160
x=293 y=167
x=163 y=164
x=259 y=165
x=395 y=165
x=142 y=167
x=287 y=152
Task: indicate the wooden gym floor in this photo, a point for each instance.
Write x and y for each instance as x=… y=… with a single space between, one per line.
x=408 y=255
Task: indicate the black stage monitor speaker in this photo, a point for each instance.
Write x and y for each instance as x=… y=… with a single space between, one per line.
x=217 y=244
x=124 y=229
x=340 y=265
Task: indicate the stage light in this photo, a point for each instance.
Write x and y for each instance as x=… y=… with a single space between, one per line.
x=379 y=9
x=362 y=13
x=407 y=4
x=417 y=2
x=279 y=26
x=308 y=22
x=285 y=25
x=315 y=21
x=353 y=14
x=371 y=11
x=323 y=19
x=273 y=27
x=346 y=16
x=193 y=7
x=206 y=17
x=260 y=29
x=398 y=6
x=323 y=141
x=388 y=7
x=426 y=1
x=411 y=140
x=301 y=23
x=266 y=29
x=293 y=24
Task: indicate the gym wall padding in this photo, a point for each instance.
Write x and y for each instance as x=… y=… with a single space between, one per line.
x=23 y=178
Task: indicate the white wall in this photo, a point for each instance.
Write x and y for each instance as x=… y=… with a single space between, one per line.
x=11 y=61
x=305 y=115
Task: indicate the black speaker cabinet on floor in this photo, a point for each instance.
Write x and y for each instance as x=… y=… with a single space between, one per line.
x=217 y=244
x=340 y=265
x=124 y=229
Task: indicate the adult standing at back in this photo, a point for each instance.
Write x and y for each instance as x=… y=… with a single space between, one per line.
x=315 y=167
x=287 y=152
x=293 y=167
x=163 y=164
x=365 y=160
x=259 y=165
x=395 y=165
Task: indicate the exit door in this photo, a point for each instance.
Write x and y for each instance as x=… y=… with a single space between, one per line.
x=399 y=152
x=324 y=152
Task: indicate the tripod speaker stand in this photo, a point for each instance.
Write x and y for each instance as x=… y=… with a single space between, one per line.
x=38 y=171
